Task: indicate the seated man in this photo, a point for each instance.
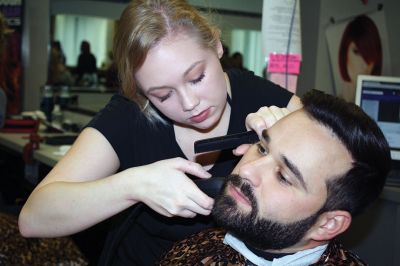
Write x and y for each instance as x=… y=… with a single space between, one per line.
x=295 y=191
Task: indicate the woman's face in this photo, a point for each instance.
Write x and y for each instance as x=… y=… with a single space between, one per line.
x=184 y=81
x=356 y=64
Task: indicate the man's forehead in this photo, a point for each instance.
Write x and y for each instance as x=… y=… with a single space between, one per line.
x=293 y=120
x=308 y=147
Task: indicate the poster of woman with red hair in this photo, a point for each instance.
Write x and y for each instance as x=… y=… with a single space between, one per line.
x=357 y=46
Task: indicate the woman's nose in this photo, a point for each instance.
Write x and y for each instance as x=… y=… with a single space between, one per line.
x=189 y=100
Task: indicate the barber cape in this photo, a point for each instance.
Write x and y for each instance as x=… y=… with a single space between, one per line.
x=208 y=248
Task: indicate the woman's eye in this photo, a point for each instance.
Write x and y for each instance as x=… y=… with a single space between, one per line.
x=261 y=149
x=355 y=50
x=163 y=98
x=200 y=78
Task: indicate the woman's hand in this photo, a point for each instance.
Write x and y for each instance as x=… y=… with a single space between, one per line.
x=264 y=118
x=164 y=187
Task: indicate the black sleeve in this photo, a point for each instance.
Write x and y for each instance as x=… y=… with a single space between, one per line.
x=250 y=92
x=253 y=90
x=117 y=121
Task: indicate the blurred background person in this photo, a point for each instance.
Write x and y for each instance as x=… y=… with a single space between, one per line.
x=86 y=68
x=237 y=61
x=57 y=48
x=225 y=58
x=58 y=71
x=112 y=80
x=108 y=61
x=109 y=73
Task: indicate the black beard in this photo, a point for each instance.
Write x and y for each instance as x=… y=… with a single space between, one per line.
x=257 y=232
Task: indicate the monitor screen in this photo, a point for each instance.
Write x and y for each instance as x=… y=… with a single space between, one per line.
x=379 y=97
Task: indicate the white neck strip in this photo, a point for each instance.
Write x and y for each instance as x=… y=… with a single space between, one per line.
x=301 y=258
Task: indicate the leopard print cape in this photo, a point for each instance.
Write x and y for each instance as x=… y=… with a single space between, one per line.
x=207 y=248
x=17 y=250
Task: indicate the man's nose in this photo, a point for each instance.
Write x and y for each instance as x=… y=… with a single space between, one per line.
x=253 y=169
x=189 y=99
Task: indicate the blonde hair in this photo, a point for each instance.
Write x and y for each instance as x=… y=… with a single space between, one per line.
x=142 y=25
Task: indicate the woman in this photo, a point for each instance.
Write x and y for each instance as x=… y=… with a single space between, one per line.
x=139 y=148
x=58 y=71
x=86 y=67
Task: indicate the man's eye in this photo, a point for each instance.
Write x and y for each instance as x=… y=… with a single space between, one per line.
x=200 y=78
x=262 y=150
x=282 y=179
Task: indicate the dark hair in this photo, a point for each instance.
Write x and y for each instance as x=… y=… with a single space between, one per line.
x=85 y=47
x=365 y=35
x=237 y=54
x=56 y=45
x=366 y=143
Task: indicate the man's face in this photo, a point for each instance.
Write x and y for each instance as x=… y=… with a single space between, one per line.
x=281 y=184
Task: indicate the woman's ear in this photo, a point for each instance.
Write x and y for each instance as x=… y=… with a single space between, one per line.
x=330 y=224
x=220 y=49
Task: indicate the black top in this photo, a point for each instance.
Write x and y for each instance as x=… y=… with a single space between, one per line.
x=86 y=64
x=137 y=142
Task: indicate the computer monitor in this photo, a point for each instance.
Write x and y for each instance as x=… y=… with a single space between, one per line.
x=379 y=97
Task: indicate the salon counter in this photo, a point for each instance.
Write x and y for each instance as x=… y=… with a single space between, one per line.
x=47 y=155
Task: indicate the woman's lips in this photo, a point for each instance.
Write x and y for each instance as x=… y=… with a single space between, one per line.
x=238 y=195
x=200 y=117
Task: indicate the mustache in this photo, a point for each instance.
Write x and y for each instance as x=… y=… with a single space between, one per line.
x=244 y=187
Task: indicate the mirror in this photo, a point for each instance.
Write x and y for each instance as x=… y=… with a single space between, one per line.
x=81 y=51
x=94 y=21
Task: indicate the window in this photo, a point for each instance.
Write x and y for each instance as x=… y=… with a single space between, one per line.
x=71 y=30
x=248 y=42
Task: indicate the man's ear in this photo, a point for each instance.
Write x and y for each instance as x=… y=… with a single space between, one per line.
x=330 y=224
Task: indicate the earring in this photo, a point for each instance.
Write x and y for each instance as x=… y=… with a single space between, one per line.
x=145 y=106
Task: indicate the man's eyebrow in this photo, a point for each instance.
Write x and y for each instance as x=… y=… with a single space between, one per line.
x=293 y=168
x=184 y=74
